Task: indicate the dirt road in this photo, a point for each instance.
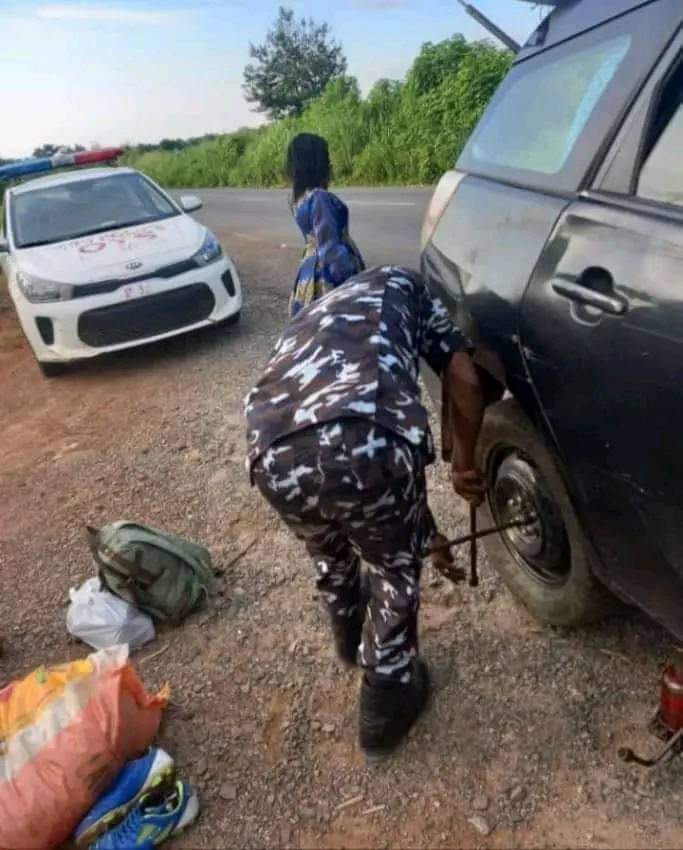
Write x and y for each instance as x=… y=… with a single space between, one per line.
x=518 y=747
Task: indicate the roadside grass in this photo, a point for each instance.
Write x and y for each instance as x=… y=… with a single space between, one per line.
x=402 y=133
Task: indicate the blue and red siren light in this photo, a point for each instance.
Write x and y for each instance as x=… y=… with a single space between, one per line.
x=59 y=160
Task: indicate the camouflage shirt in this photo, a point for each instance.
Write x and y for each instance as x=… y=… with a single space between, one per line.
x=355 y=354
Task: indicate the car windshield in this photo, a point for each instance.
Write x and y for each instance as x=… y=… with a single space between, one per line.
x=83 y=207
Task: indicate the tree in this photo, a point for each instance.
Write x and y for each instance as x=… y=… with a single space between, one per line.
x=293 y=66
x=51 y=150
x=45 y=150
x=435 y=62
x=171 y=144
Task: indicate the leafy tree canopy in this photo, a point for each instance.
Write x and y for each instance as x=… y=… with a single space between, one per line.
x=293 y=66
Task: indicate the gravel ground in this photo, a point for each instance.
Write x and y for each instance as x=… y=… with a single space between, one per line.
x=518 y=746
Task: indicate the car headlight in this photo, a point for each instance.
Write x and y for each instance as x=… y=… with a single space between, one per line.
x=38 y=290
x=210 y=251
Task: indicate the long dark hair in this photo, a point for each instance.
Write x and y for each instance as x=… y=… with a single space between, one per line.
x=308 y=164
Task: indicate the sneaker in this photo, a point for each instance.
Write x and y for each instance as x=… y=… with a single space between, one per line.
x=138 y=777
x=389 y=710
x=158 y=816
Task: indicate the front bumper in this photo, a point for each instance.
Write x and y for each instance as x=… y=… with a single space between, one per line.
x=134 y=314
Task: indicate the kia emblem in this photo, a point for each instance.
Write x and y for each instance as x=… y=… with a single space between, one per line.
x=133 y=265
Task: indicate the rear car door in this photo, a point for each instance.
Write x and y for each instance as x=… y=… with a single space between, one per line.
x=543 y=132
x=602 y=333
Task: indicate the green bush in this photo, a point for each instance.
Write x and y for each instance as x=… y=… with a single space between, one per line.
x=402 y=132
x=262 y=161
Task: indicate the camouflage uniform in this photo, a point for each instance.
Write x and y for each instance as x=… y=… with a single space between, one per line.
x=339 y=441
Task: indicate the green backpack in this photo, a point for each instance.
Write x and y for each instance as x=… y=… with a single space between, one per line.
x=154 y=570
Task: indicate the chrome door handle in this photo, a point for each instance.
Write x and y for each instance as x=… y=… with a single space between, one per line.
x=585 y=295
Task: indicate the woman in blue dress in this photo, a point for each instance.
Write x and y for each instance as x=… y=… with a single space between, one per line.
x=330 y=256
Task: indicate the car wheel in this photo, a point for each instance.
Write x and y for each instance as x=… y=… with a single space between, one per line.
x=52 y=370
x=233 y=320
x=545 y=564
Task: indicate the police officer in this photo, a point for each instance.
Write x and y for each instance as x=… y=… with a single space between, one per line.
x=338 y=442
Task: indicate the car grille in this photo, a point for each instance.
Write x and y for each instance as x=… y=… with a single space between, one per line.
x=146 y=317
x=111 y=285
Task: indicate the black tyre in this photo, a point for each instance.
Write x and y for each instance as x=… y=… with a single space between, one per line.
x=545 y=564
x=233 y=320
x=52 y=370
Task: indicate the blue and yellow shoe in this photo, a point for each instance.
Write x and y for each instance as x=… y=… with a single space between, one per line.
x=153 y=770
x=158 y=816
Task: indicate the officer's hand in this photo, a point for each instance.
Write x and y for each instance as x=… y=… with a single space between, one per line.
x=470 y=484
x=444 y=562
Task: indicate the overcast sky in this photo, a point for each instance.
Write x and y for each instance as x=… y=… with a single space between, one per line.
x=115 y=71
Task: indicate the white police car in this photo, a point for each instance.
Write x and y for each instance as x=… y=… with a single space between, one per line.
x=102 y=259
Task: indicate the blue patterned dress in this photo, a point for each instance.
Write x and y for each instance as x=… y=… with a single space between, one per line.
x=330 y=257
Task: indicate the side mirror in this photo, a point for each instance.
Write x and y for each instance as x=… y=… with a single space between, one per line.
x=4 y=245
x=191 y=203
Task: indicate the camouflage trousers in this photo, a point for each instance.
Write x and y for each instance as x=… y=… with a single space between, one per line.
x=353 y=490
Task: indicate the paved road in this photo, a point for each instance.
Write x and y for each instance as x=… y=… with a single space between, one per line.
x=385 y=223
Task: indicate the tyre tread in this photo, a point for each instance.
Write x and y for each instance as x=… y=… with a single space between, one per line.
x=581 y=599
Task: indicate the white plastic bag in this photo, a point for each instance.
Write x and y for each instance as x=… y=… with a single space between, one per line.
x=101 y=619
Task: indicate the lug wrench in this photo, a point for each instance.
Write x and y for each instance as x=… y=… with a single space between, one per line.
x=474 y=572
x=472 y=538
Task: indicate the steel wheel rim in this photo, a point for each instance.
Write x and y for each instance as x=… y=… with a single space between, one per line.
x=516 y=488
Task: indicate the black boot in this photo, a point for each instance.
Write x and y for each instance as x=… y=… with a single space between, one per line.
x=388 y=711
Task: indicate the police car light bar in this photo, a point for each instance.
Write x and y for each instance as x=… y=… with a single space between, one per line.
x=59 y=160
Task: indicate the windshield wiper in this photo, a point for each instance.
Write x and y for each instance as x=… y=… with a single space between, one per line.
x=103 y=228
x=37 y=243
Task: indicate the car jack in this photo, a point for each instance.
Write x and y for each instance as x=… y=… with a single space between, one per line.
x=667 y=724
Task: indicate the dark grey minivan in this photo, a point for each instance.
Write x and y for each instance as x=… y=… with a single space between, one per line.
x=558 y=242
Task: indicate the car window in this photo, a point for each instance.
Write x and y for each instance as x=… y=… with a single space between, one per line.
x=536 y=126
x=554 y=111
x=661 y=177
x=71 y=210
